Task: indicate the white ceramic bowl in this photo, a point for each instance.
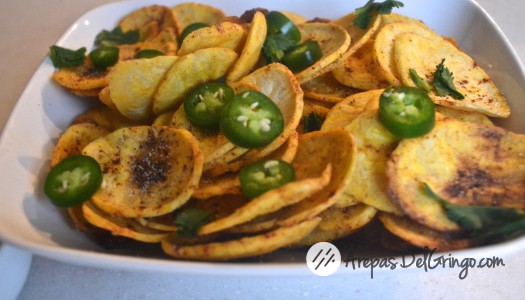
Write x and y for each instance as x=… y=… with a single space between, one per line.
x=44 y=110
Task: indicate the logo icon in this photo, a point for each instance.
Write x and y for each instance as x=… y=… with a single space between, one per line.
x=323 y=259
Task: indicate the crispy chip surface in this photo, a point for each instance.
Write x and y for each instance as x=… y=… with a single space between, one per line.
x=326 y=88
x=358 y=35
x=462 y=162
x=148 y=171
x=223 y=35
x=188 y=13
x=413 y=51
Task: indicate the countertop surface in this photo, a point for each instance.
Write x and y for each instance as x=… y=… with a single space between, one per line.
x=29 y=27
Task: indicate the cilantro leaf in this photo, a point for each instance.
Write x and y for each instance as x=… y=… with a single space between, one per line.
x=418 y=81
x=274 y=47
x=482 y=221
x=116 y=37
x=364 y=14
x=64 y=58
x=190 y=221
x=312 y=122
x=444 y=82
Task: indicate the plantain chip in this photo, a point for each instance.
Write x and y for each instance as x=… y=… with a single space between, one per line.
x=252 y=48
x=107 y=118
x=189 y=71
x=271 y=201
x=161 y=17
x=465 y=163
x=188 y=13
x=121 y=226
x=148 y=171
x=326 y=88
x=312 y=107
x=243 y=247
x=358 y=35
x=333 y=41
x=223 y=35
x=337 y=223
x=421 y=236
x=416 y=52
x=344 y=112
x=296 y=18
x=463 y=115
x=374 y=145
x=81 y=79
x=360 y=70
x=132 y=85
x=74 y=139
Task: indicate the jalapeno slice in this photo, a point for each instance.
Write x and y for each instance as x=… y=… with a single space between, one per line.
x=104 y=57
x=73 y=180
x=278 y=23
x=251 y=120
x=260 y=177
x=191 y=28
x=407 y=112
x=203 y=105
x=148 y=53
x=302 y=56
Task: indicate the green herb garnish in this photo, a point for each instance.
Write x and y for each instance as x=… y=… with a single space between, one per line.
x=482 y=221
x=444 y=82
x=65 y=58
x=312 y=122
x=116 y=37
x=365 y=13
x=274 y=47
x=418 y=81
x=190 y=221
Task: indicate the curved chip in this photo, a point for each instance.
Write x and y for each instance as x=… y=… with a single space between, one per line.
x=326 y=88
x=188 y=13
x=421 y=236
x=357 y=34
x=133 y=83
x=252 y=48
x=374 y=145
x=189 y=71
x=148 y=171
x=463 y=115
x=74 y=139
x=243 y=247
x=413 y=51
x=271 y=201
x=121 y=226
x=107 y=118
x=160 y=15
x=384 y=48
x=337 y=223
x=360 y=70
x=464 y=163
x=82 y=78
x=333 y=40
x=223 y=35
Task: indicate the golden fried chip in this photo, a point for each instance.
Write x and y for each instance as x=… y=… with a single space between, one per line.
x=326 y=88
x=164 y=119
x=74 y=139
x=271 y=201
x=374 y=145
x=294 y=17
x=462 y=162
x=189 y=71
x=143 y=17
x=243 y=247
x=463 y=115
x=312 y=107
x=121 y=226
x=188 y=13
x=337 y=223
x=360 y=70
x=148 y=171
x=107 y=118
x=82 y=78
x=421 y=236
x=132 y=85
x=105 y=98
x=480 y=92
x=333 y=40
x=223 y=35
x=252 y=49
x=358 y=35
x=384 y=48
